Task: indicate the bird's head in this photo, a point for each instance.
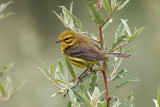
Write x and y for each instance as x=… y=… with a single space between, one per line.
x=67 y=38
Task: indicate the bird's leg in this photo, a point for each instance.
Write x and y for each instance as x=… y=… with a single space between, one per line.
x=92 y=70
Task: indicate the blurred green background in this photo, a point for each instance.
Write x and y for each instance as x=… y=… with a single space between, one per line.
x=28 y=37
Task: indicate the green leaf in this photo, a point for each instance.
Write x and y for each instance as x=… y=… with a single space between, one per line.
x=103 y=104
x=120 y=31
x=7 y=67
x=85 y=99
x=106 y=6
x=129 y=49
x=61 y=72
x=115 y=102
x=95 y=13
x=156 y=103
x=17 y=86
x=8 y=86
x=70 y=68
x=4 y=5
x=62 y=82
x=136 y=33
x=69 y=104
x=120 y=74
x=83 y=88
x=126 y=82
x=129 y=101
x=123 y=5
x=119 y=40
x=96 y=96
x=79 y=98
x=71 y=7
x=106 y=24
x=51 y=73
x=126 y=27
x=93 y=83
x=3 y=16
x=73 y=99
x=69 y=16
x=53 y=95
x=118 y=60
x=158 y=96
x=2 y=89
x=113 y=3
x=59 y=17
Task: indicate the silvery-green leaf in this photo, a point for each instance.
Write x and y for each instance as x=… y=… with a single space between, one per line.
x=85 y=99
x=129 y=101
x=4 y=5
x=156 y=103
x=126 y=27
x=120 y=74
x=106 y=6
x=73 y=99
x=93 y=83
x=122 y=5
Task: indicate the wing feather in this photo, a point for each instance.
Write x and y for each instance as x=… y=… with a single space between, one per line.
x=85 y=52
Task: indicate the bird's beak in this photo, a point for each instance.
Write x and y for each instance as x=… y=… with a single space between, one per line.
x=58 y=41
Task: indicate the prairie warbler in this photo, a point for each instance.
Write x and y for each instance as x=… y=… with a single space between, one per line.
x=82 y=53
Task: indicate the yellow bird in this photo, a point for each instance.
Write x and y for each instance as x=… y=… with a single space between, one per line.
x=82 y=53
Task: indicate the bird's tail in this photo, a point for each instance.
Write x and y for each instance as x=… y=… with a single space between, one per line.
x=118 y=55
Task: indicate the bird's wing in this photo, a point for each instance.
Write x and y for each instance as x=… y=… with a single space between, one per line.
x=85 y=52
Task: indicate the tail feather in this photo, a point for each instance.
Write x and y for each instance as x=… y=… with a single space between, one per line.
x=118 y=55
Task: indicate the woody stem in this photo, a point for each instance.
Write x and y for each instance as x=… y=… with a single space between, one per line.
x=104 y=62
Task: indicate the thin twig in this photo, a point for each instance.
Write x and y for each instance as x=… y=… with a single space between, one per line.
x=112 y=50
x=4 y=99
x=113 y=73
x=81 y=33
x=113 y=11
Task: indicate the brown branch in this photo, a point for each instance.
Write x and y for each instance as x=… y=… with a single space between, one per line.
x=113 y=11
x=112 y=50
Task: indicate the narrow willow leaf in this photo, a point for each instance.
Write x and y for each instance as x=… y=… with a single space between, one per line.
x=119 y=40
x=18 y=86
x=53 y=95
x=7 y=67
x=59 y=17
x=78 y=98
x=69 y=104
x=123 y=5
x=90 y=35
x=126 y=27
x=70 y=68
x=71 y=7
x=106 y=24
x=120 y=31
x=93 y=83
x=51 y=72
x=8 y=86
x=106 y=6
x=95 y=95
x=62 y=82
x=103 y=104
x=136 y=34
x=129 y=101
x=118 y=60
x=85 y=99
x=70 y=15
x=73 y=99
x=3 y=16
x=113 y=3
x=2 y=89
x=156 y=103
x=83 y=88
x=4 y=5
x=120 y=74
x=115 y=102
x=95 y=13
x=128 y=50
x=126 y=82
x=158 y=96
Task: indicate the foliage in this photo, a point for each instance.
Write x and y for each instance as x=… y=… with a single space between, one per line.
x=92 y=97
x=157 y=101
x=7 y=87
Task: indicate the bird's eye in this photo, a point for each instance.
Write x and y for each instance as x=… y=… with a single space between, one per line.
x=67 y=38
